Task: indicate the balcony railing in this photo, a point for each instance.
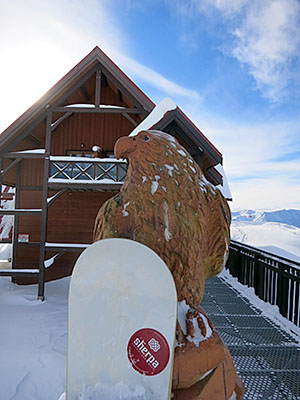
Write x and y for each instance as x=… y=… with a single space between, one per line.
x=275 y=279
x=87 y=170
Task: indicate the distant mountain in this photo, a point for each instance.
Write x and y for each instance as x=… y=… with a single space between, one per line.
x=275 y=231
x=289 y=217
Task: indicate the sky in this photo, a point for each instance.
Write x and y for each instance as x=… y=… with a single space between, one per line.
x=231 y=66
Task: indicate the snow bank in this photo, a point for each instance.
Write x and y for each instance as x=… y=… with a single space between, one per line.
x=268 y=310
x=33 y=341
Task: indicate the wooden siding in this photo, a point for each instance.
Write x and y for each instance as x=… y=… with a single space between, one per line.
x=70 y=220
x=32 y=174
x=89 y=129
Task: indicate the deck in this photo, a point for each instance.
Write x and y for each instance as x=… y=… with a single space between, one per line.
x=265 y=356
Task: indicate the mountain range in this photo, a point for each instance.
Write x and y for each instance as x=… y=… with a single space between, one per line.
x=289 y=216
x=277 y=232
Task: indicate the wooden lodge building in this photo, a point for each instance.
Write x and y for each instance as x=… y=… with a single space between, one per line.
x=59 y=158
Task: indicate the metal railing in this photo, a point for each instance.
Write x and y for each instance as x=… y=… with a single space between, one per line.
x=275 y=279
x=64 y=168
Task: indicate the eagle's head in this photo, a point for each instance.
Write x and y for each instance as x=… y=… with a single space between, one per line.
x=146 y=145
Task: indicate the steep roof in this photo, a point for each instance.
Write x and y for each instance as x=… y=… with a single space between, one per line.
x=95 y=60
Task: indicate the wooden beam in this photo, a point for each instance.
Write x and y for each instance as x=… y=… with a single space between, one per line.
x=16 y=218
x=120 y=95
x=44 y=216
x=56 y=196
x=22 y=273
x=20 y=211
x=134 y=123
x=5 y=171
x=74 y=87
x=85 y=93
x=93 y=186
x=24 y=133
x=124 y=90
x=22 y=154
x=98 y=89
x=60 y=120
x=66 y=247
x=33 y=140
x=105 y=83
x=29 y=244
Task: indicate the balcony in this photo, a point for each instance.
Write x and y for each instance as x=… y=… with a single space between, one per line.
x=107 y=174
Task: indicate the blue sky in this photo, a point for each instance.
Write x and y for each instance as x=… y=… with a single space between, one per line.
x=232 y=66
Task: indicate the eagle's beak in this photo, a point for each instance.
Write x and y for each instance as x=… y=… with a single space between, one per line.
x=124 y=146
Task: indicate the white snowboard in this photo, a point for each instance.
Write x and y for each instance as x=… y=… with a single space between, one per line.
x=122 y=319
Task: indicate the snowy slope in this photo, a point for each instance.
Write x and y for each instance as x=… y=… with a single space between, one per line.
x=289 y=217
x=275 y=231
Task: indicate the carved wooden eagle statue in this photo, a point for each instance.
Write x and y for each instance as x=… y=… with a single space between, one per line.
x=167 y=204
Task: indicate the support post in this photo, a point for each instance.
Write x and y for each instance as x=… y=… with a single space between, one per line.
x=16 y=220
x=98 y=88
x=44 y=216
x=282 y=291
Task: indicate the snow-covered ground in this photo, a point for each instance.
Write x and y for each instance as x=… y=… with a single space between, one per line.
x=33 y=341
x=33 y=334
x=262 y=230
x=33 y=338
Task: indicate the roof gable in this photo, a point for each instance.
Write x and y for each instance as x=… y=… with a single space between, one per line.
x=95 y=61
x=191 y=134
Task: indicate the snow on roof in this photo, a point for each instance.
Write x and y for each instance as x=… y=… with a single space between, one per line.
x=64 y=245
x=34 y=151
x=88 y=159
x=156 y=115
x=225 y=189
x=84 y=105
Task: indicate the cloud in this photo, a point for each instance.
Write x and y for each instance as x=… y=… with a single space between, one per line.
x=155 y=79
x=267 y=41
x=228 y=8
x=253 y=154
x=45 y=39
x=264 y=36
x=266 y=194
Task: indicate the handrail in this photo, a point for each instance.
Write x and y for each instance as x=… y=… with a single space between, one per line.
x=275 y=279
x=265 y=252
x=80 y=169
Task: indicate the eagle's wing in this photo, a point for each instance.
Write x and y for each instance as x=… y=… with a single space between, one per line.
x=110 y=221
x=217 y=237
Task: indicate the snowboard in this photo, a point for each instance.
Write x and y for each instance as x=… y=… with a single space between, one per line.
x=121 y=324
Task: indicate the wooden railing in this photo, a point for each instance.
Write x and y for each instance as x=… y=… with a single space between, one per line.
x=80 y=169
x=275 y=279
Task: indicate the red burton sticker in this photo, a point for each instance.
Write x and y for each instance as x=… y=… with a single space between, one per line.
x=148 y=351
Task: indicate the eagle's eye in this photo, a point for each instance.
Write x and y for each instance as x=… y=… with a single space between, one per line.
x=133 y=138
x=146 y=138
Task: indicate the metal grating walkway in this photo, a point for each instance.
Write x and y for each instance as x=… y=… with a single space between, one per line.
x=266 y=358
